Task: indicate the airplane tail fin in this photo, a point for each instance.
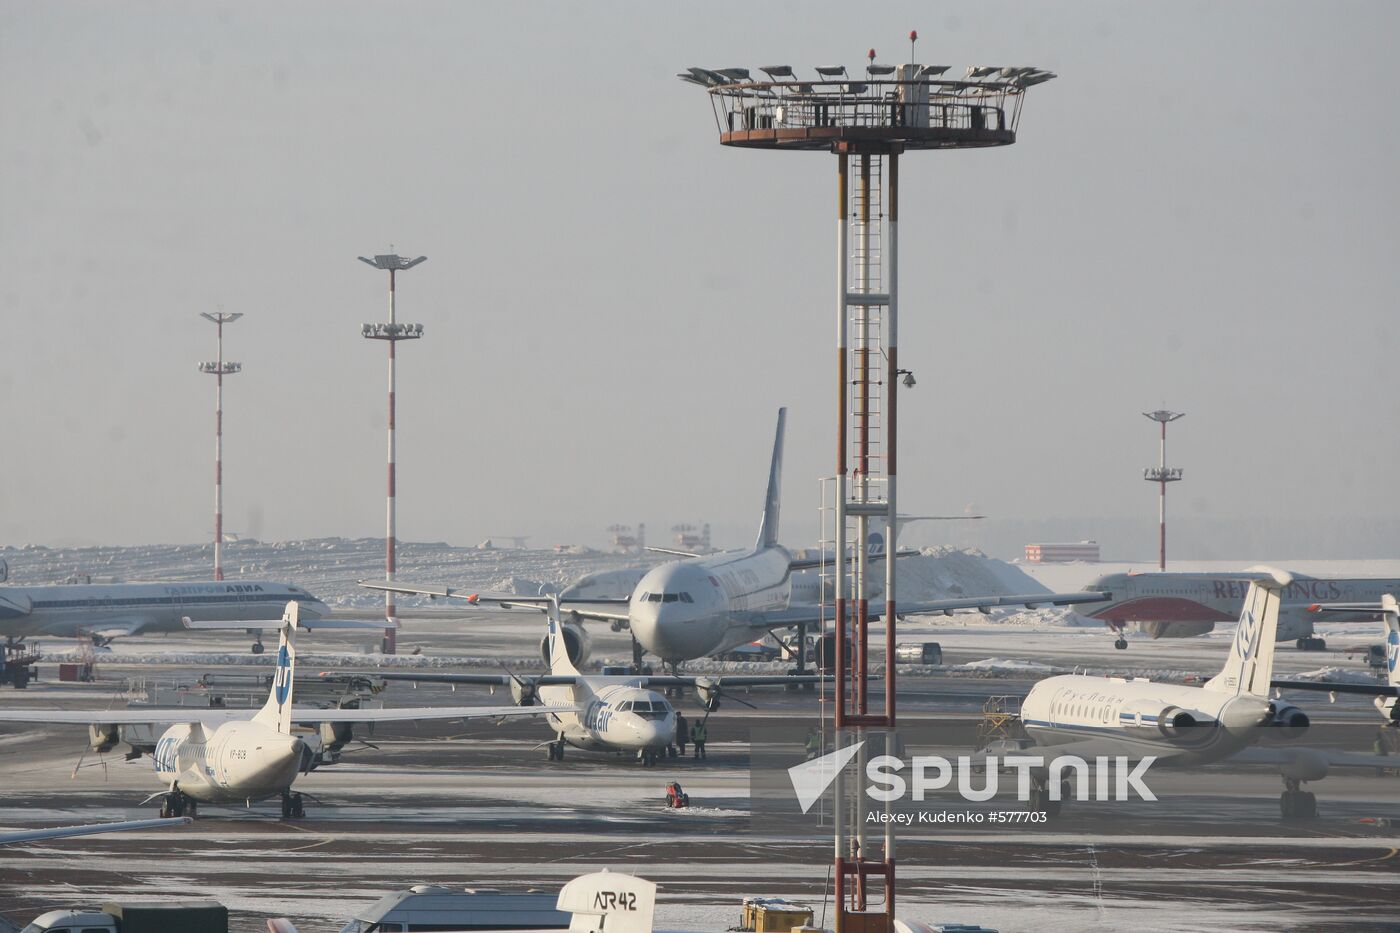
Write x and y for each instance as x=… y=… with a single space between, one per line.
x=768 y=530
x=559 y=660
x=277 y=711
x=1251 y=661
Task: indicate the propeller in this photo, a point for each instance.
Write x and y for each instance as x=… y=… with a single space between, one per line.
x=522 y=691
x=710 y=692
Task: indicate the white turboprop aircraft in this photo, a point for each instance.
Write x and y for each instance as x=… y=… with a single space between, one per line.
x=1137 y=718
x=611 y=713
x=1385 y=694
x=238 y=756
x=699 y=606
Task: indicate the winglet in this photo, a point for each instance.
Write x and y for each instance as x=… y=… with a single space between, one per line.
x=768 y=530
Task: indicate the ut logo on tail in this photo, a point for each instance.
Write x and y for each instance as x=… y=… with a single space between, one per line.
x=1247 y=638
x=282 y=685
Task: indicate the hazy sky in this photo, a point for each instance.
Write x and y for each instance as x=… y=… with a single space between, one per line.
x=1201 y=212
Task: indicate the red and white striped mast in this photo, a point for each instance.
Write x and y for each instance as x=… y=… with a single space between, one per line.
x=391 y=333
x=1162 y=474
x=219 y=369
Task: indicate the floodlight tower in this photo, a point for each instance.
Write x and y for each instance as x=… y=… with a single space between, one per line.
x=391 y=333
x=1161 y=475
x=867 y=120
x=219 y=369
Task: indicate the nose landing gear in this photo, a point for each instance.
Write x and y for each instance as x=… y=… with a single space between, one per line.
x=556 y=750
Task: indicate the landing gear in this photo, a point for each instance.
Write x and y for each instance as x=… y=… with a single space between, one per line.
x=801 y=669
x=1040 y=798
x=556 y=750
x=648 y=757
x=636 y=655
x=292 y=807
x=1297 y=804
x=176 y=803
x=258 y=645
x=1121 y=643
x=1311 y=643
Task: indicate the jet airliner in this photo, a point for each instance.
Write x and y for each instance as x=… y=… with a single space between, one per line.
x=103 y=611
x=703 y=605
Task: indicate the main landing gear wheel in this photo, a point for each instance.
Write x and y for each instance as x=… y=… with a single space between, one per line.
x=177 y=804
x=1121 y=644
x=648 y=757
x=258 y=647
x=292 y=807
x=1311 y=643
x=1297 y=804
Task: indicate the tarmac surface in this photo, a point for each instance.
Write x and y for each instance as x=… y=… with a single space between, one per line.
x=477 y=804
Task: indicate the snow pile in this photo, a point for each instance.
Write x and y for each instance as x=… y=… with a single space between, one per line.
x=1342 y=675
x=948 y=572
x=997 y=666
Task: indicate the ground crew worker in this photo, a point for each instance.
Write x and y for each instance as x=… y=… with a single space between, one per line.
x=698 y=734
x=814 y=743
x=682 y=732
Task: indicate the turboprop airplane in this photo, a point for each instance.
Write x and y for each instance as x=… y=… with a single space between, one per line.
x=603 y=713
x=238 y=756
x=1385 y=694
x=1137 y=718
x=699 y=606
x=1178 y=605
x=103 y=611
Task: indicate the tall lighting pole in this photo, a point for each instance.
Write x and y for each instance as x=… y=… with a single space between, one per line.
x=219 y=369
x=1161 y=475
x=391 y=333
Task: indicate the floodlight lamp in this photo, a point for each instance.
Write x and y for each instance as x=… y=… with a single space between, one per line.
x=879 y=69
x=831 y=71
x=932 y=71
x=735 y=74
x=777 y=71
x=366 y=330
x=908 y=379
x=982 y=71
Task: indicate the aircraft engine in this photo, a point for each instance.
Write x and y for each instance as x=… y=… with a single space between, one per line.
x=576 y=639
x=707 y=692
x=1176 y=725
x=103 y=737
x=1287 y=723
x=525 y=692
x=1183 y=725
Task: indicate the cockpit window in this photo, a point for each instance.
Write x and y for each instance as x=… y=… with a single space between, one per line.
x=649 y=710
x=672 y=597
x=625 y=707
x=685 y=598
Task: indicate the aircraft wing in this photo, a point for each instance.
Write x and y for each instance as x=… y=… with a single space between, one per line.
x=306 y=623
x=812 y=563
x=404 y=714
x=1331 y=686
x=114 y=628
x=730 y=680
x=600 y=610
x=214 y=717
x=808 y=615
x=489 y=680
x=90 y=829
x=1305 y=757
